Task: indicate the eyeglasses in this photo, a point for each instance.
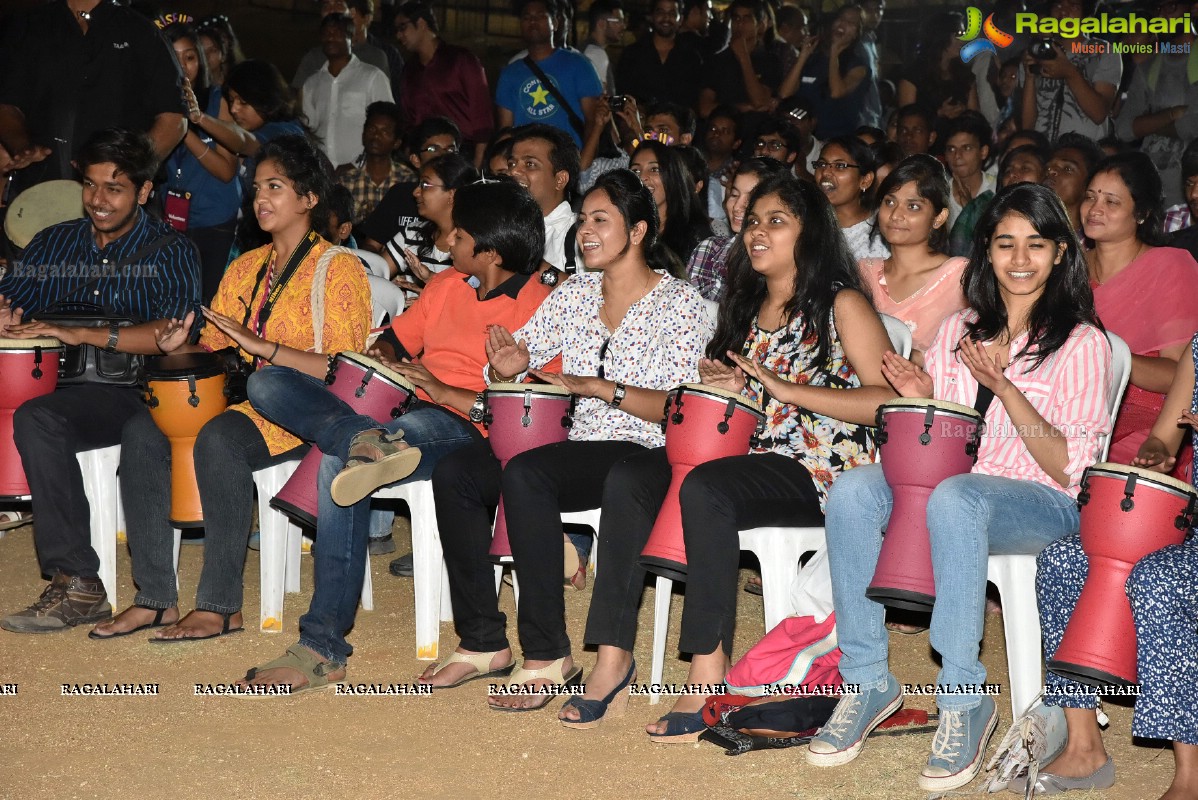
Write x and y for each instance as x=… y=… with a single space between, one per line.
x=436 y=148
x=773 y=146
x=839 y=166
x=425 y=185
x=603 y=356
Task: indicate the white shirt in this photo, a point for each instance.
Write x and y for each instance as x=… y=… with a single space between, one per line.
x=336 y=106
x=657 y=346
x=602 y=64
x=557 y=226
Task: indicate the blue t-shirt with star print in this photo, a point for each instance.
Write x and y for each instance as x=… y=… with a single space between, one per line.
x=521 y=92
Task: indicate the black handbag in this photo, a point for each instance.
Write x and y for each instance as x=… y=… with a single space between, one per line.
x=85 y=363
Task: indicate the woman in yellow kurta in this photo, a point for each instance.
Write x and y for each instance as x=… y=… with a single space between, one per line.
x=288 y=303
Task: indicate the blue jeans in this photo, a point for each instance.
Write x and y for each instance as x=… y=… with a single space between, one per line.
x=969 y=518
x=304 y=405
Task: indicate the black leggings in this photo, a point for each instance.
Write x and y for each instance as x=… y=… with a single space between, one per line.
x=538 y=486
x=719 y=499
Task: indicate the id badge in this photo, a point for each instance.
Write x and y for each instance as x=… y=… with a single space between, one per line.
x=178 y=206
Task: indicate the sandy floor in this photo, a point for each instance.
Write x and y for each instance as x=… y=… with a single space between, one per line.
x=177 y=744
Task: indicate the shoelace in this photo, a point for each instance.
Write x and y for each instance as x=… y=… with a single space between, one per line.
x=51 y=596
x=949 y=736
x=840 y=720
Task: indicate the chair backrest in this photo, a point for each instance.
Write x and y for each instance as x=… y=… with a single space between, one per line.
x=713 y=310
x=899 y=333
x=1120 y=374
x=386 y=299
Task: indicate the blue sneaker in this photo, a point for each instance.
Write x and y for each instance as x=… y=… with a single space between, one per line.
x=959 y=747
x=840 y=740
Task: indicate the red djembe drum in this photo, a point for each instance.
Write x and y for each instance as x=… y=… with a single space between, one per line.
x=703 y=423
x=183 y=393
x=520 y=417
x=1126 y=514
x=28 y=369
x=922 y=443
x=369 y=388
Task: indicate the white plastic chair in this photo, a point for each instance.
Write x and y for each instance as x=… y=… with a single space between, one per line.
x=281 y=544
x=430 y=581
x=778 y=550
x=1015 y=575
x=104 y=499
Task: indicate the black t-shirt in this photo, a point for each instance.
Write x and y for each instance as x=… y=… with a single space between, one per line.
x=723 y=74
x=642 y=74
x=122 y=73
x=396 y=210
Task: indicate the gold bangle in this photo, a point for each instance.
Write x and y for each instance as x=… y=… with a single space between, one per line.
x=207 y=150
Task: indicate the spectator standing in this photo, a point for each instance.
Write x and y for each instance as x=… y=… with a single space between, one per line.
x=745 y=75
x=65 y=72
x=605 y=19
x=660 y=65
x=442 y=79
x=314 y=59
x=336 y=97
x=552 y=86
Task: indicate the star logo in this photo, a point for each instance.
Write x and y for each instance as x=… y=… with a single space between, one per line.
x=994 y=38
x=540 y=97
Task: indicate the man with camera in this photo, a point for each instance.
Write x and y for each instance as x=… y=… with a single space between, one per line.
x=131 y=268
x=1070 y=90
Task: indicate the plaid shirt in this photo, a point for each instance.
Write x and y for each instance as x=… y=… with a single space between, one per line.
x=1177 y=217
x=708 y=266
x=366 y=192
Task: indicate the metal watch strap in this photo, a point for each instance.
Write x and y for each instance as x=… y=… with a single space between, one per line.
x=114 y=332
x=617 y=396
x=476 y=410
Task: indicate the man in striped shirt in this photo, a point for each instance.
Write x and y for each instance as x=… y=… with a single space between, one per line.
x=130 y=264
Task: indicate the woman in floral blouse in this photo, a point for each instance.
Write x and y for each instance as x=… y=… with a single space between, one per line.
x=626 y=332
x=797 y=335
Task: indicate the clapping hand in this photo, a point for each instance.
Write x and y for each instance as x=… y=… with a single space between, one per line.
x=507 y=356
x=245 y=338
x=770 y=381
x=719 y=374
x=173 y=335
x=986 y=370
x=907 y=378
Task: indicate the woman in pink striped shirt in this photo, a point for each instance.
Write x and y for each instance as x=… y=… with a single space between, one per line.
x=1031 y=338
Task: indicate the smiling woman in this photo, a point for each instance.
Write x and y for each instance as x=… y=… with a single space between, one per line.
x=268 y=309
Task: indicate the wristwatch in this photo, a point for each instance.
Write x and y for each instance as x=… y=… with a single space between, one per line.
x=113 y=335
x=479 y=407
x=617 y=396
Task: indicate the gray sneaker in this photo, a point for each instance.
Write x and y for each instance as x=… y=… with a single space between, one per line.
x=959 y=747
x=68 y=601
x=841 y=739
x=381 y=545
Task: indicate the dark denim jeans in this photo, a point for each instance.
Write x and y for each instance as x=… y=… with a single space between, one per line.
x=304 y=405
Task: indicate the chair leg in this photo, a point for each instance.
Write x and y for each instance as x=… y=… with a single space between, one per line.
x=427 y=571
x=1021 y=631
x=178 y=541
x=98 y=468
x=661 y=624
x=368 y=588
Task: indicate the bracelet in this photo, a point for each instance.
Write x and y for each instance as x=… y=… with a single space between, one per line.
x=207 y=150
x=113 y=336
x=273 y=353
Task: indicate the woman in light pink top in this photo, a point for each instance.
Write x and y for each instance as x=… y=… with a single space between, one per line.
x=918 y=284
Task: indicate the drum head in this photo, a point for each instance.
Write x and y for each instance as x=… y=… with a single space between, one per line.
x=536 y=388
x=27 y=345
x=41 y=206
x=366 y=362
x=1121 y=471
x=724 y=395
x=907 y=404
x=183 y=366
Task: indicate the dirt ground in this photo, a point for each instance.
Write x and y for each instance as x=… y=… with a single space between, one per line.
x=449 y=745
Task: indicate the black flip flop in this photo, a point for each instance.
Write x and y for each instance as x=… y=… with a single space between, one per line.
x=224 y=631
x=157 y=623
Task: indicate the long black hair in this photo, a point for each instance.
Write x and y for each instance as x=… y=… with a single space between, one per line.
x=823 y=266
x=635 y=203
x=1067 y=300
x=454 y=172
x=686 y=217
